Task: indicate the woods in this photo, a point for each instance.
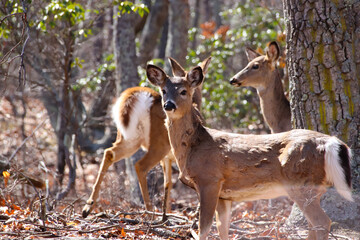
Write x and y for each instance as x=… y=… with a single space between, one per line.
x=64 y=63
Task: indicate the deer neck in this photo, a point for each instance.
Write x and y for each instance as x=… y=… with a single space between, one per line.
x=274 y=105
x=182 y=134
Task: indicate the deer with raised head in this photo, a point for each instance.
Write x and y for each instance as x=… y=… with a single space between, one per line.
x=140 y=120
x=262 y=74
x=224 y=167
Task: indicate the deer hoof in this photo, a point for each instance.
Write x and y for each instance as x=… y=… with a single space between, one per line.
x=86 y=210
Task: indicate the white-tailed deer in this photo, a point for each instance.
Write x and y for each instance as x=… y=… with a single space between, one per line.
x=262 y=74
x=139 y=119
x=224 y=167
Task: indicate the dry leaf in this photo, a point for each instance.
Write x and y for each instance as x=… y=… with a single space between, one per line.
x=123 y=233
x=6 y=175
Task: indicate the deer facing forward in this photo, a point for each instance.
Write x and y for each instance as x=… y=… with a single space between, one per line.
x=140 y=120
x=224 y=167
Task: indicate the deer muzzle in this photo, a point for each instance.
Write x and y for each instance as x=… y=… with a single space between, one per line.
x=235 y=82
x=169 y=106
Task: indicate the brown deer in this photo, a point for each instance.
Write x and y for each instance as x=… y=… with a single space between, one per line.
x=139 y=119
x=262 y=74
x=224 y=167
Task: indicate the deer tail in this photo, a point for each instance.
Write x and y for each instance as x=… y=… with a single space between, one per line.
x=337 y=166
x=131 y=114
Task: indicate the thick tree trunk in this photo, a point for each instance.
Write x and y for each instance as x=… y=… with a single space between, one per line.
x=323 y=39
x=179 y=18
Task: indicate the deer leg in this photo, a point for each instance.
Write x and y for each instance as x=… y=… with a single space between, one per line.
x=223 y=211
x=166 y=165
x=308 y=200
x=143 y=166
x=209 y=196
x=120 y=150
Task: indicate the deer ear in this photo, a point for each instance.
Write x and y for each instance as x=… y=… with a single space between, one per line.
x=155 y=75
x=273 y=51
x=251 y=54
x=195 y=76
x=205 y=64
x=177 y=70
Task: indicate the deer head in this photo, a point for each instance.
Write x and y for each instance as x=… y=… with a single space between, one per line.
x=259 y=68
x=177 y=92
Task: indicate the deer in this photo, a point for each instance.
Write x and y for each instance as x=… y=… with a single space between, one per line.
x=261 y=73
x=223 y=167
x=140 y=120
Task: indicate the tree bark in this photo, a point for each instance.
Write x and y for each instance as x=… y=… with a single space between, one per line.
x=163 y=40
x=323 y=38
x=126 y=77
x=324 y=69
x=195 y=23
x=152 y=29
x=140 y=21
x=63 y=104
x=179 y=18
x=125 y=51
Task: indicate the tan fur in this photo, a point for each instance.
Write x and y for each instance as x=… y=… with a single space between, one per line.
x=157 y=150
x=224 y=167
x=266 y=79
x=158 y=147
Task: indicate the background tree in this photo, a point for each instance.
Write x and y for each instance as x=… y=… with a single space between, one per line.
x=177 y=40
x=324 y=64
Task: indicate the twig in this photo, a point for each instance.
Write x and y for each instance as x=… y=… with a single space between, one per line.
x=9 y=233
x=98 y=229
x=194 y=234
x=168 y=214
x=165 y=233
x=259 y=223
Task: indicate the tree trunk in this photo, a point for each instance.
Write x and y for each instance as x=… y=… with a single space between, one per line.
x=140 y=21
x=163 y=40
x=179 y=18
x=126 y=77
x=323 y=38
x=152 y=29
x=195 y=23
x=125 y=51
x=63 y=117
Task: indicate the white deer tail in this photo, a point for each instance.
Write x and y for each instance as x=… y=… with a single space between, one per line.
x=131 y=114
x=337 y=166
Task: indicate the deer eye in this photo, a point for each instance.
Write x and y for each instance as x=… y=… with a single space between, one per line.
x=183 y=92
x=255 y=66
x=163 y=91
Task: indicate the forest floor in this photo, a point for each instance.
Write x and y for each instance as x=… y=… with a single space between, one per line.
x=116 y=216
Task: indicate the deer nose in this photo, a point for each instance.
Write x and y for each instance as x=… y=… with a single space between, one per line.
x=233 y=81
x=169 y=106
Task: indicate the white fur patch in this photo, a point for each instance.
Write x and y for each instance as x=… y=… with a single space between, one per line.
x=334 y=172
x=139 y=119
